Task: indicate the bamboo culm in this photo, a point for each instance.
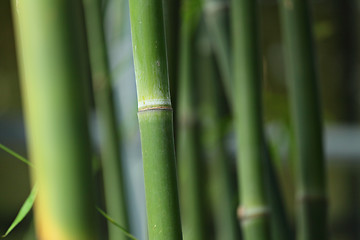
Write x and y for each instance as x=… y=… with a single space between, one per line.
x=280 y=228
x=155 y=119
x=222 y=193
x=52 y=57
x=192 y=192
x=172 y=22
x=109 y=138
x=216 y=14
x=306 y=118
x=217 y=24
x=254 y=210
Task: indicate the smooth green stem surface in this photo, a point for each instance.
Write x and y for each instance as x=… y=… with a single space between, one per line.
x=280 y=228
x=307 y=121
x=221 y=188
x=188 y=150
x=171 y=21
x=156 y=129
x=155 y=119
x=109 y=137
x=254 y=211
x=217 y=19
x=216 y=13
x=50 y=38
x=147 y=31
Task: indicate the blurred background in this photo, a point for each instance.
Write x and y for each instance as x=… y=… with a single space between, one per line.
x=336 y=30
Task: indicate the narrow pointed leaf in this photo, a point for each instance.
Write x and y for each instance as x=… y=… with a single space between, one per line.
x=24 y=210
x=115 y=223
x=14 y=154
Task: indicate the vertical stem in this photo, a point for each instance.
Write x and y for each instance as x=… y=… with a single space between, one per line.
x=217 y=19
x=212 y=102
x=109 y=138
x=51 y=40
x=280 y=229
x=171 y=21
x=155 y=119
x=306 y=116
x=254 y=212
x=347 y=27
x=189 y=161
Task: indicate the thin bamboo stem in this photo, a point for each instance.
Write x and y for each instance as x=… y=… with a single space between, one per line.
x=220 y=181
x=50 y=38
x=189 y=161
x=306 y=117
x=217 y=19
x=109 y=137
x=155 y=119
x=280 y=229
x=254 y=211
x=172 y=22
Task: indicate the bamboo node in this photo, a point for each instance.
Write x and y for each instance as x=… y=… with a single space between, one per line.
x=187 y=121
x=166 y=108
x=100 y=83
x=153 y=103
x=245 y=214
x=289 y=4
x=216 y=6
x=312 y=198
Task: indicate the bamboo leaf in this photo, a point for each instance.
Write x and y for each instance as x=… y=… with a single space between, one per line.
x=24 y=210
x=115 y=223
x=14 y=154
x=29 y=202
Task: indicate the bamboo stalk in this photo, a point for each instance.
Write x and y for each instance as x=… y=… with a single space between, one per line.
x=109 y=138
x=217 y=21
x=280 y=229
x=155 y=119
x=189 y=161
x=307 y=122
x=172 y=22
x=254 y=212
x=216 y=12
x=50 y=40
x=212 y=112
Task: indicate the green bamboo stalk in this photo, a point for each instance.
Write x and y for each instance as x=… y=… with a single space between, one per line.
x=109 y=138
x=280 y=229
x=306 y=117
x=254 y=212
x=212 y=112
x=217 y=21
x=171 y=21
x=155 y=119
x=216 y=12
x=188 y=154
x=50 y=40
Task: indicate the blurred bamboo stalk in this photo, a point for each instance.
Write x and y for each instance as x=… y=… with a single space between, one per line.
x=108 y=132
x=216 y=12
x=188 y=150
x=217 y=18
x=212 y=100
x=155 y=119
x=52 y=57
x=307 y=121
x=172 y=22
x=280 y=227
x=254 y=210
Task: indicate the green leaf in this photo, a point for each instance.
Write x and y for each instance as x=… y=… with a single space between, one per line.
x=11 y=152
x=30 y=201
x=115 y=223
x=24 y=210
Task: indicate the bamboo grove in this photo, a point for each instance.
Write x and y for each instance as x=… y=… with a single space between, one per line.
x=199 y=73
